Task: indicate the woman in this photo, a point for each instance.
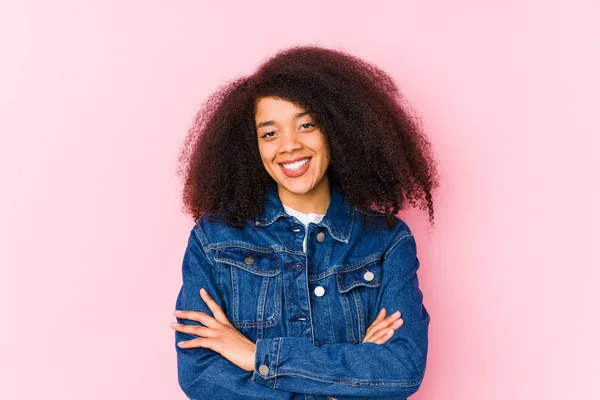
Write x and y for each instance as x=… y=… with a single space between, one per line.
x=294 y=176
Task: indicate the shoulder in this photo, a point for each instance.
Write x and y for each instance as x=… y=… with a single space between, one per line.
x=375 y=222
x=373 y=232
x=213 y=231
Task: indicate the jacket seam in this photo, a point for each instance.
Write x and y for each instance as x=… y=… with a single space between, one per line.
x=349 y=268
x=352 y=382
x=394 y=245
x=246 y=246
x=277 y=363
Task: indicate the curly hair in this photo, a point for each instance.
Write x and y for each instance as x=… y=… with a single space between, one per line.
x=380 y=158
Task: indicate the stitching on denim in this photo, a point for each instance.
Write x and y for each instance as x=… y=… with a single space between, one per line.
x=350 y=226
x=360 y=315
x=234 y=290
x=352 y=382
x=277 y=362
x=262 y=299
x=235 y=319
x=261 y=249
x=349 y=268
x=243 y=245
x=220 y=257
x=359 y=283
x=204 y=251
x=395 y=243
x=281 y=213
x=265 y=323
x=347 y=317
x=343 y=237
x=334 y=234
x=254 y=324
x=310 y=316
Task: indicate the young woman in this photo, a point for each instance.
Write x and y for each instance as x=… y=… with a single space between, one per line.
x=294 y=176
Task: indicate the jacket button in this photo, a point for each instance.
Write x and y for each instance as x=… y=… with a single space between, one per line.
x=319 y=291
x=320 y=237
x=369 y=276
x=263 y=370
x=249 y=260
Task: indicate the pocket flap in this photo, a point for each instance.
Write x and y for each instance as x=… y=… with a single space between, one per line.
x=366 y=272
x=256 y=262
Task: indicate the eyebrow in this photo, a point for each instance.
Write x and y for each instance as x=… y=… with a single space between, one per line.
x=265 y=123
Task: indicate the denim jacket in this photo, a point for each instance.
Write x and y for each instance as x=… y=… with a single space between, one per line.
x=308 y=311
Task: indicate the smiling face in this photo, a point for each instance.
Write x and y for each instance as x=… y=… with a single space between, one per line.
x=293 y=150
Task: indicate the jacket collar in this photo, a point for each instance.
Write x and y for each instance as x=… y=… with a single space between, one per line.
x=338 y=219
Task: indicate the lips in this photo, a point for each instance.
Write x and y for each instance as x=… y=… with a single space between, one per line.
x=293 y=160
x=300 y=171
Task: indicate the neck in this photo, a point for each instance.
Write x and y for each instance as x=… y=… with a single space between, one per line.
x=315 y=201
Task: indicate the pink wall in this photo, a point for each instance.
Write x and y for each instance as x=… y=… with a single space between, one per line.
x=96 y=97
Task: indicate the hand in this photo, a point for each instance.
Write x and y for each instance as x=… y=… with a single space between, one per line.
x=377 y=332
x=217 y=334
x=382 y=329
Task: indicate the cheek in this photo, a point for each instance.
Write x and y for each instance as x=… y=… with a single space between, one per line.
x=323 y=150
x=262 y=151
x=266 y=156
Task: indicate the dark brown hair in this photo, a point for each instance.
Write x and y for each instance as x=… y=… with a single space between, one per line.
x=380 y=159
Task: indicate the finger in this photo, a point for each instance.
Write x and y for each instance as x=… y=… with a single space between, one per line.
x=386 y=322
x=379 y=318
x=386 y=334
x=383 y=336
x=193 y=329
x=198 y=316
x=214 y=307
x=198 y=342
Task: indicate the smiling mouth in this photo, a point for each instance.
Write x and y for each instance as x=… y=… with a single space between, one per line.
x=295 y=166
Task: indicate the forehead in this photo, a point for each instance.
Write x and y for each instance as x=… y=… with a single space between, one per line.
x=272 y=107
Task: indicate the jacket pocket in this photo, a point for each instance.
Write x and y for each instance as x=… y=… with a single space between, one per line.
x=358 y=285
x=251 y=285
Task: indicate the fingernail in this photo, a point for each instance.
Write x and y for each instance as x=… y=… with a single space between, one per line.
x=390 y=332
x=180 y=344
x=397 y=322
x=174 y=324
x=176 y=312
x=202 y=291
x=396 y=314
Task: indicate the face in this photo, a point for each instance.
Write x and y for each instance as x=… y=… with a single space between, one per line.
x=292 y=148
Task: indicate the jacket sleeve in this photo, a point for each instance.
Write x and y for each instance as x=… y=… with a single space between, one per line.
x=393 y=370
x=203 y=373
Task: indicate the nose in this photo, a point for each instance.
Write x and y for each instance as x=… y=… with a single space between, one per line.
x=289 y=142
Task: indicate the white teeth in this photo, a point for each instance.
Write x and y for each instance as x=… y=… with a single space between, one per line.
x=296 y=165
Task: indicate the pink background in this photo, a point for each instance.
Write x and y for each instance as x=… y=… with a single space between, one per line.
x=96 y=98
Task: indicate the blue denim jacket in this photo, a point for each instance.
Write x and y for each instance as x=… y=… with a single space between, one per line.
x=306 y=312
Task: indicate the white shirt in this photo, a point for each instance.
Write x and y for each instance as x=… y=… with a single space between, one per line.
x=305 y=218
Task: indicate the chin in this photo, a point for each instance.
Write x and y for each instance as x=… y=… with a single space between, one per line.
x=297 y=189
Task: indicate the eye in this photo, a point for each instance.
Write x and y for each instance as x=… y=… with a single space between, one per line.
x=307 y=123
x=267 y=133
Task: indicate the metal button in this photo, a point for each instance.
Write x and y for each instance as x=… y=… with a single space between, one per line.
x=296 y=230
x=263 y=370
x=298 y=266
x=319 y=291
x=320 y=237
x=369 y=276
x=249 y=260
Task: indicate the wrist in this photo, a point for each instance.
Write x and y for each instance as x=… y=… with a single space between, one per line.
x=251 y=358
